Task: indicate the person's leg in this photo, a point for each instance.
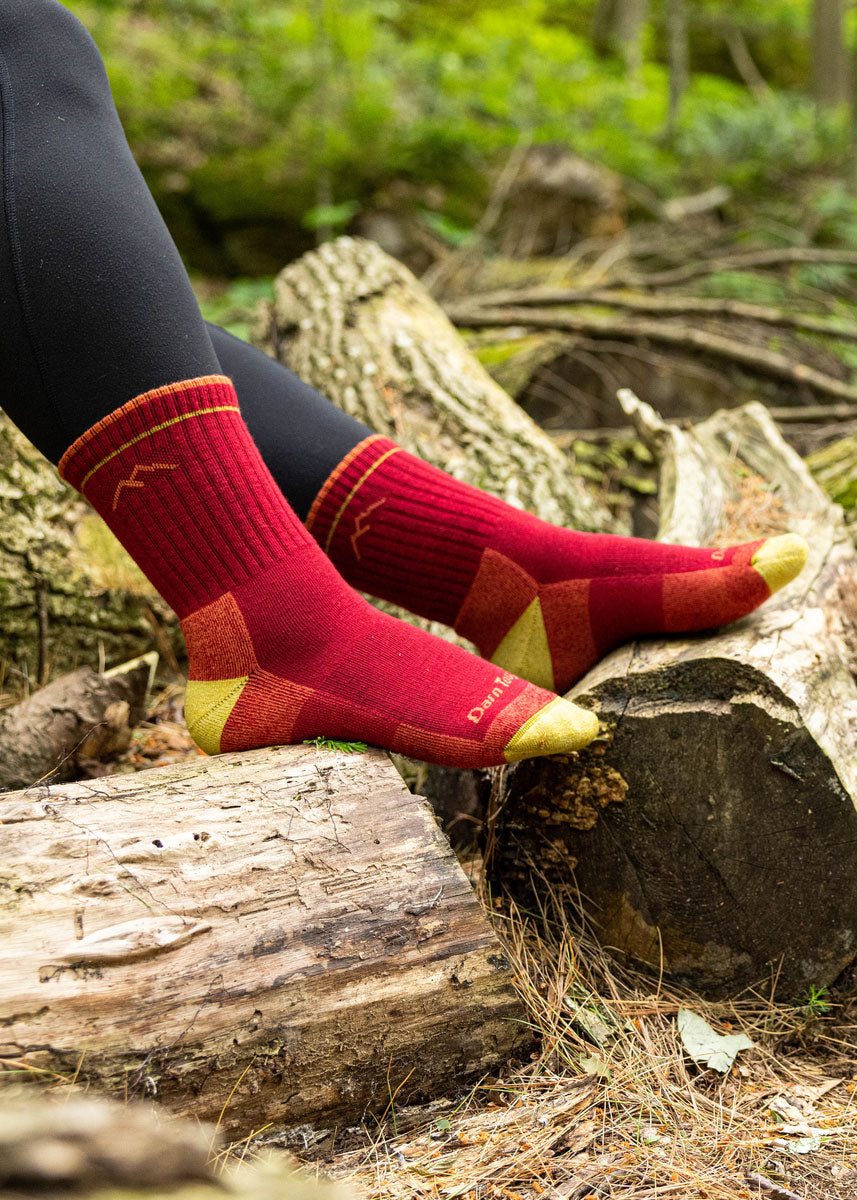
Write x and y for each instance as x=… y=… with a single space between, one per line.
x=540 y=601
x=104 y=357
x=301 y=435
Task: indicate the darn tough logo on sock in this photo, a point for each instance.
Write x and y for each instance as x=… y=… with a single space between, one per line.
x=478 y=712
x=360 y=528
x=133 y=480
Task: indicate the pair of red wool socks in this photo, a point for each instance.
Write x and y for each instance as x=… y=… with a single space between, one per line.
x=281 y=649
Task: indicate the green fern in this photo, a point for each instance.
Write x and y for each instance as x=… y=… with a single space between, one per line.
x=322 y=743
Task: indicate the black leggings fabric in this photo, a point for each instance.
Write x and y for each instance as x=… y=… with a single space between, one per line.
x=300 y=434
x=95 y=304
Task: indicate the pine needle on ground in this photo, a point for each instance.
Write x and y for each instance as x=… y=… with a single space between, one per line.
x=611 y=1106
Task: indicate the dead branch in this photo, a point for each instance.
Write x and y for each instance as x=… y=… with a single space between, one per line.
x=668 y=305
x=756 y=358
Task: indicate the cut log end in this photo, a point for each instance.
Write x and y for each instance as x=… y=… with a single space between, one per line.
x=728 y=861
x=727 y=850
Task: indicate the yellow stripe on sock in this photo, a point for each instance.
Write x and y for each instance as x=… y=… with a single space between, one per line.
x=353 y=492
x=201 y=412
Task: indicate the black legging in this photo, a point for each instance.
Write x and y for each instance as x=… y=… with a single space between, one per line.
x=95 y=304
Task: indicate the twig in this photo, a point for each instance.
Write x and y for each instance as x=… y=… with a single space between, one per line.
x=744 y=64
x=769 y=1187
x=667 y=305
x=757 y=358
x=800 y=414
x=439 y=272
x=748 y=261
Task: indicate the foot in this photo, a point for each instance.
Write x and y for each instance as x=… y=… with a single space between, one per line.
x=541 y=601
x=551 y=602
x=294 y=654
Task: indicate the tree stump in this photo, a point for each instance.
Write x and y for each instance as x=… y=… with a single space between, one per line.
x=712 y=830
x=276 y=937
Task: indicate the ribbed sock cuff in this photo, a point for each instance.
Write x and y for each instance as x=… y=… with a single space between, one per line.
x=177 y=477
x=137 y=420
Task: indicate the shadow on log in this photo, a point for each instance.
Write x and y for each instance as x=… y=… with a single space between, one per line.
x=712 y=832
x=284 y=935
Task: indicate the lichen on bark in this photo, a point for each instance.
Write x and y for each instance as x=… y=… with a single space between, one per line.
x=69 y=594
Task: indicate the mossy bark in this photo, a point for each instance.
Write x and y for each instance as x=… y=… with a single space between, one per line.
x=69 y=594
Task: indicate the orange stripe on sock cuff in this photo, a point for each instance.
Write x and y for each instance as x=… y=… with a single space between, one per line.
x=336 y=473
x=141 y=437
x=119 y=414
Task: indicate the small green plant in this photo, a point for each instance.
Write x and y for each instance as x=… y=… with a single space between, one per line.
x=817 y=1002
x=322 y=743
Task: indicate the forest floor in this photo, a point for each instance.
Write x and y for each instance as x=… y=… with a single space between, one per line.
x=611 y=1104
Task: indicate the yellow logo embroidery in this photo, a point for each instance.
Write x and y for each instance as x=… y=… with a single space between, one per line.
x=503 y=682
x=360 y=528
x=134 y=482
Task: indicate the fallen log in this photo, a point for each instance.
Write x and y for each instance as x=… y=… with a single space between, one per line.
x=272 y=937
x=711 y=833
x=357 y=325
x=79 y=717
x=65 y=1143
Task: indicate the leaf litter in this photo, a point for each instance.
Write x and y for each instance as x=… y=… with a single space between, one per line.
x=613 y=1104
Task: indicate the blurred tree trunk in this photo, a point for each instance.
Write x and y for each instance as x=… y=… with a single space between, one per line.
x=617 y=28
x=678 y=45
x=830 y=73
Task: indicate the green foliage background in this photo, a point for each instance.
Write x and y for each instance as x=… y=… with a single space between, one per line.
x=256 y=121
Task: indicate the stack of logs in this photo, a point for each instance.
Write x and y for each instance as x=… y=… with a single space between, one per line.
x=285 y=935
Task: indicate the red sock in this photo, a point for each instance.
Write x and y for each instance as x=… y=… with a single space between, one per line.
x=280 y=649
x=544 y=602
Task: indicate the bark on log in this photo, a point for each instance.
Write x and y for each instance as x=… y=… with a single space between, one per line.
x=69 y=593
x=712 y=831
x=78 y=717
x=284 y=935
x=358 y=326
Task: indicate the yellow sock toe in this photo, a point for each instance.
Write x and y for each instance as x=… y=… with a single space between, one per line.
x=780 y=559
x=555 y=729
